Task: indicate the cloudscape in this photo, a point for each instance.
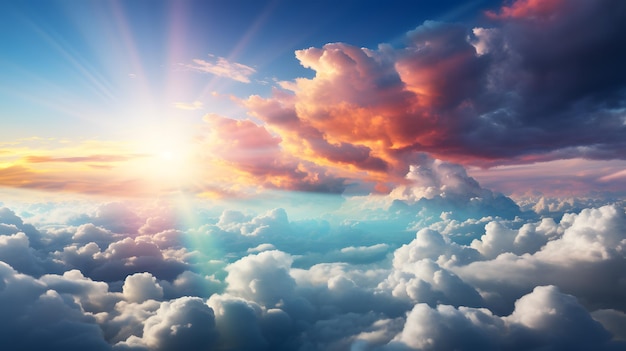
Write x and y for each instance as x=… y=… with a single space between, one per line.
x=347 y=175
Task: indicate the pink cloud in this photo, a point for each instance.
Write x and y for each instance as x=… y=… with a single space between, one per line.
x=529 y=9
x=517 y=93
x=250 y=155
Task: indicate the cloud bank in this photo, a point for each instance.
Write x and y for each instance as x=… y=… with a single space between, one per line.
x=437 y=264
x=537 y=82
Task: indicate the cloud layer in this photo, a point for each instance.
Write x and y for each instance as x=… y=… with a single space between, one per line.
x=439 y=263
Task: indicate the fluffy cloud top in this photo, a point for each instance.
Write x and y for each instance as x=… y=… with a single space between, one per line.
x=410 y=272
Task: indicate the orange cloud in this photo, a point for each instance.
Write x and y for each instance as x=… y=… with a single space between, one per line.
x=242 y=152
x=515 y=93
x=81 y=159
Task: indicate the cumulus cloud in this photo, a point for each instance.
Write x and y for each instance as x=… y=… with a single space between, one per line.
x=255 y=156
x=543 y=318
x=263 y=277
x=42 y=317
x=388 y=276
x=584 y=249
x=184 y=323
x=140 y=287
x=507 y=86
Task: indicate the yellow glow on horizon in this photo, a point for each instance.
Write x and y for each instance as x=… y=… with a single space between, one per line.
x=152 y=165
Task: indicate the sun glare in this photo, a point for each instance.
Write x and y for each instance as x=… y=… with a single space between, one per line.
x=166 y=161
x=167 y=155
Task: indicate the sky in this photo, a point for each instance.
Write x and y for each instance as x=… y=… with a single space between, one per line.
x=324 y=175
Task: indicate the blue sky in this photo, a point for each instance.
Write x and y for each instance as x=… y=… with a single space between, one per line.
x=67 y=63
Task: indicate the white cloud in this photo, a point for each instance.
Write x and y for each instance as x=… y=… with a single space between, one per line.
x=544 y=318
x=263 y=277
x=401 y=272
x=261 y=248
x=186 y=323
x=140 y=287
x=220 y=66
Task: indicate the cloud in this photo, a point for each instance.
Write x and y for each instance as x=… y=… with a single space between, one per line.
x=415 y=254
x=543 y=318
x=85 y=167
x=43 y=318
x=185 y=323
x=140 y=287
x=528 y=9
x=263 y=277
x=394 y=273
x=220 y=66
x=498 y=94
x=251 y=153
x=588 y=246
x=90 y=158
x=475 y=96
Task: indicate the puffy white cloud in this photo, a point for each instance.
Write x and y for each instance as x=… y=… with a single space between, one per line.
x=87 y=233
x=126 y=321
x=430 y=244
x=93 y=296
x=393 y=274
x=426 y=281
x=186 y=323
x=272 y=223
x=36 y=317
x=15 y=250
x=263 y=278
x=543 y=319
x=498 y=238
x=582 y=257
x=10 y=220
x=432 y=177
x=140 y=287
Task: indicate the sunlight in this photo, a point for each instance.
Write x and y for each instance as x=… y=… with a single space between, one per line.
x=167 y=158
x=167 y=155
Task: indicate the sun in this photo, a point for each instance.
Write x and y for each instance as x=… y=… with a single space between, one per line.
x=166 y=159
x=167 y=155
